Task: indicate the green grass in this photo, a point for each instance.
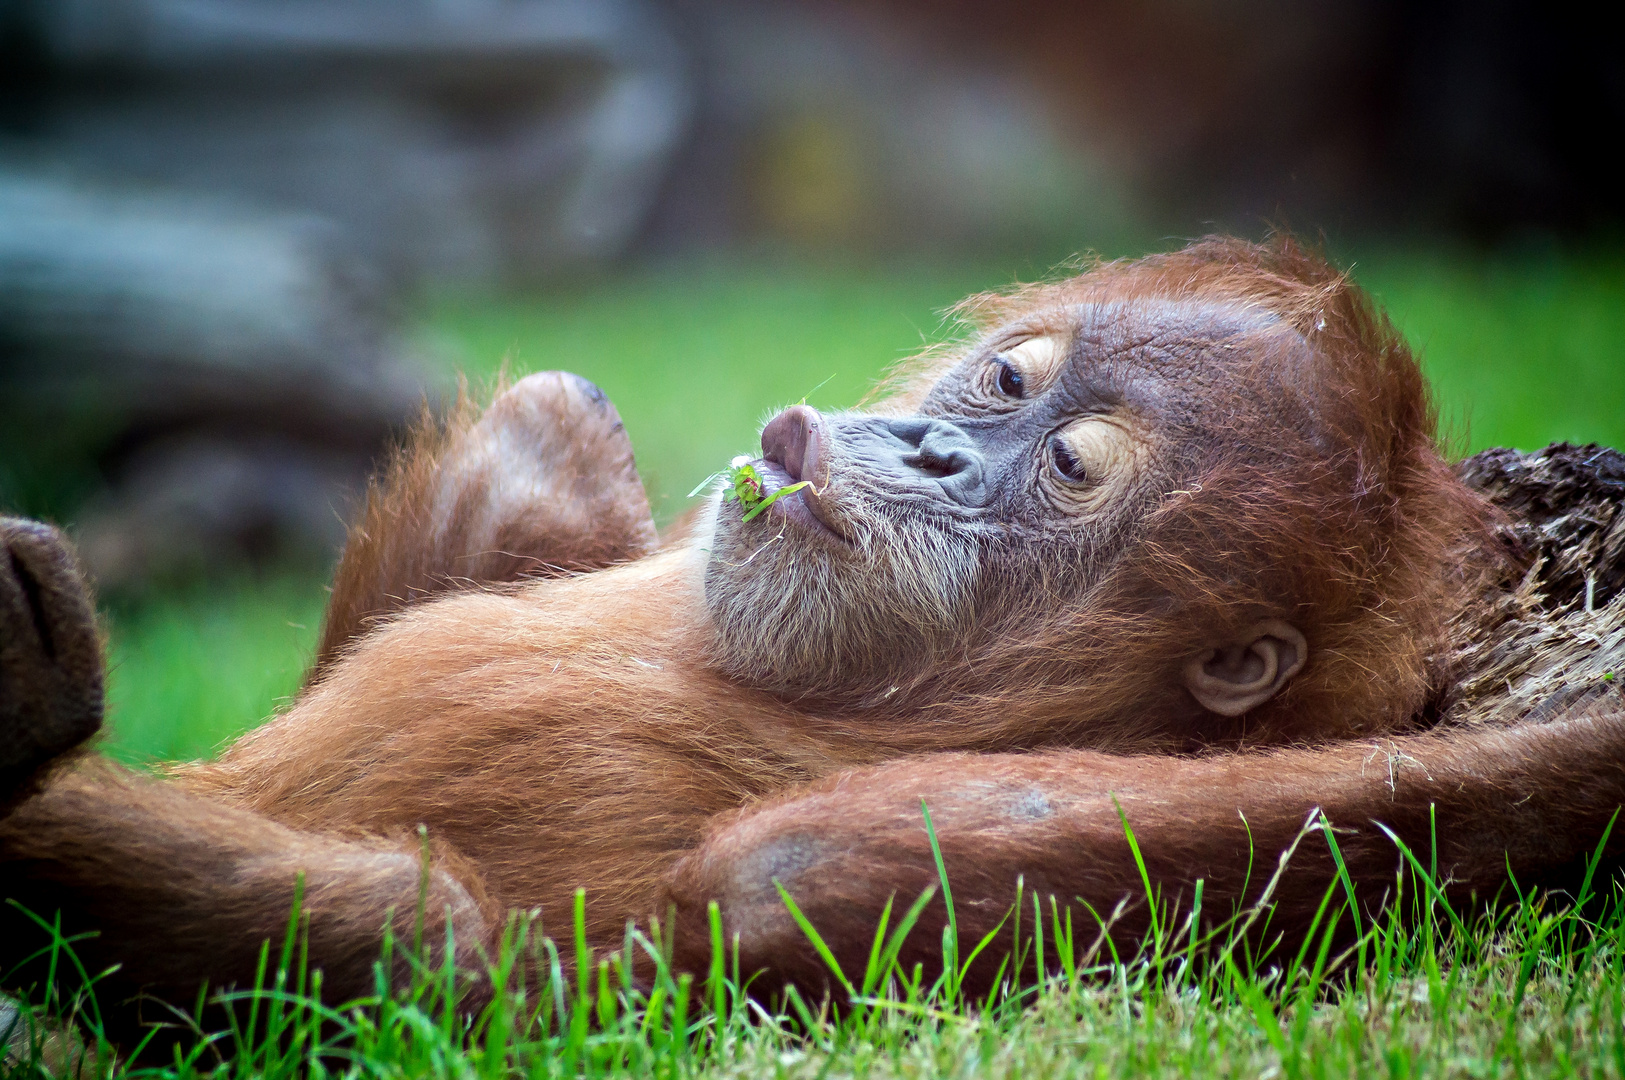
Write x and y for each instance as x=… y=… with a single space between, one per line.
x=1522 y=349
x=1533 y=989
x=188 y=671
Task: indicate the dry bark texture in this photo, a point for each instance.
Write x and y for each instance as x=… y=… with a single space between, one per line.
x=1557 y=636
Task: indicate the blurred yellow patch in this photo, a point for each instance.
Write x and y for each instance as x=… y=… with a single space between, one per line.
x=812 y=180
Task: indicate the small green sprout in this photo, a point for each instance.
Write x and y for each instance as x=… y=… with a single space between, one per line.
x=1608 y=676
x=742 y=482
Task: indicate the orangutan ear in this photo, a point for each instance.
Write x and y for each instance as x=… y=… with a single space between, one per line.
x=1249 y=671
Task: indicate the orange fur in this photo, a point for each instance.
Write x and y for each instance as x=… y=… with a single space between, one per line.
x=584 y=731
x=543 y=484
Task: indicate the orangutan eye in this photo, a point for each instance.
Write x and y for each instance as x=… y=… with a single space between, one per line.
x=1011 y=384
x=1090 y=459
x=1066 y=462
x=1026 y=369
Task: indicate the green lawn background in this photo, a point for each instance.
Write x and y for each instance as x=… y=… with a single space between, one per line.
x=1523 y=349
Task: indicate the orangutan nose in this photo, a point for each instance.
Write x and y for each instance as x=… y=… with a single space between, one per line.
x=793 y=440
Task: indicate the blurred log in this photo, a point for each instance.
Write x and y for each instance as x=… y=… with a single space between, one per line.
x=240 y=368
x=1558 y=635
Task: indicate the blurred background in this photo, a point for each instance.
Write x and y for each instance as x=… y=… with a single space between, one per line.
x=243 y=241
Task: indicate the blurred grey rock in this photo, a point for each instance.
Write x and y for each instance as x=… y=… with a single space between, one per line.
x=163 y=296
x=241 y=367
x=452 y=139
x=210 y=211
x=183 y=502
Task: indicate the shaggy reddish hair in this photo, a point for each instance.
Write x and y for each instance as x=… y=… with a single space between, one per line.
x=1323 y=498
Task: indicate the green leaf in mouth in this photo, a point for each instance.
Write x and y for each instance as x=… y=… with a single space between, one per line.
x=744 y=483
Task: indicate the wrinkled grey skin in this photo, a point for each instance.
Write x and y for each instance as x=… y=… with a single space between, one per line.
x=930 y=532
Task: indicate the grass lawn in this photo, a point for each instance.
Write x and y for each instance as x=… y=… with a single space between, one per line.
x=1523 y=349
x=1533 y=991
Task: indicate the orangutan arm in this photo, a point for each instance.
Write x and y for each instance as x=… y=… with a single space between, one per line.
x=162 y=890
x=1536 y=798
x=170 y=892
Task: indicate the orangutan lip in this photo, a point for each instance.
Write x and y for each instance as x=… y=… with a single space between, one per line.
x=800 y=507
